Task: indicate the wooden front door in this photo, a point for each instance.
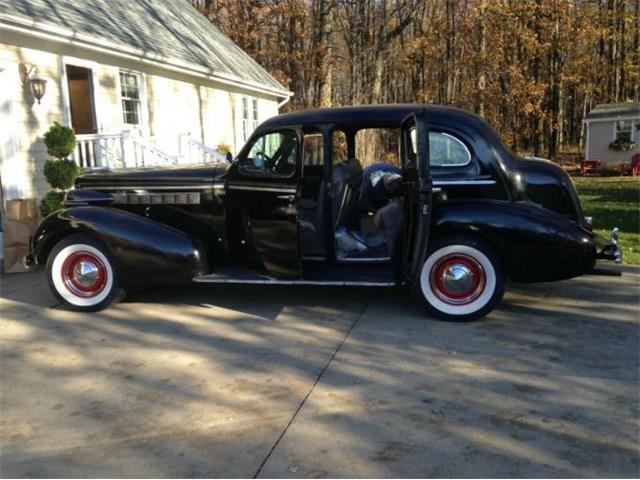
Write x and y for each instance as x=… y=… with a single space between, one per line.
x=81 y=102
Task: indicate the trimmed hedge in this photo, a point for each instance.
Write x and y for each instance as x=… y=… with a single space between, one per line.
x=61 y=173
x=60 y=141
x=51 y=202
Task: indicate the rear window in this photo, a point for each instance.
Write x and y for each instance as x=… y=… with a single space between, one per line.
x=445 y=150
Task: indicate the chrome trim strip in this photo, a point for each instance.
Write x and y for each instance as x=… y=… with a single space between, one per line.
x=364 y=260
x=262 y=189
x=463 y=182
x=314 y=258
x=274 y=281
x=146 y=188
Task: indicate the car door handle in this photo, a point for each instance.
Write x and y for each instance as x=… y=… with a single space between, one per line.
x=290 y=197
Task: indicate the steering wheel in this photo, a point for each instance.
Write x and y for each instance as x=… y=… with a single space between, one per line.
x=265 y=156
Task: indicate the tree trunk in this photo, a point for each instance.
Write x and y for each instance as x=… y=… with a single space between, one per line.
x=482 y=57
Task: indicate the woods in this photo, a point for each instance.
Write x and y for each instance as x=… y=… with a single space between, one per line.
x=532 y=68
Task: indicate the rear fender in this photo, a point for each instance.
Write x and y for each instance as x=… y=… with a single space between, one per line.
x=535 y=244
x=147 y=252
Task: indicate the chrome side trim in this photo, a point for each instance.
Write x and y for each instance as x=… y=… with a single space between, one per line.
x=364 y=260
x=314 y=258
x=463 y=182
x=147 y=187
x=254 y=188
x=275 y=281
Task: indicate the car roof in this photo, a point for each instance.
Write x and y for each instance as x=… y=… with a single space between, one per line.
x=363 y=116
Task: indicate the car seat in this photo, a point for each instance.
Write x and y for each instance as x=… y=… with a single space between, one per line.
x=346 y=179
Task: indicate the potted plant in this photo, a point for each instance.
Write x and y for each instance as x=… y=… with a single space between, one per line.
x=60 y=172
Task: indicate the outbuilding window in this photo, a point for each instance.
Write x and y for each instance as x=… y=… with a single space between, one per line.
x=623 y=131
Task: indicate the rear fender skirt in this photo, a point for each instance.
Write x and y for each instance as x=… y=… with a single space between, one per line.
x=147 y=252
x=535 y=244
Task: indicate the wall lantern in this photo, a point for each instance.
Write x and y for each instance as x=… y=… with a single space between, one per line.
x=32 y=77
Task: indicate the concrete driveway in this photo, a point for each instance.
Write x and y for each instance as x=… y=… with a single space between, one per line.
x=228 y=381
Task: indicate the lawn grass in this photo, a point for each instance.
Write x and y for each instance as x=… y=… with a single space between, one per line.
x=614 y=202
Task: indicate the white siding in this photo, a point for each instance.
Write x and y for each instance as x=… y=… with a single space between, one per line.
x=176 y=104
x=22 y=173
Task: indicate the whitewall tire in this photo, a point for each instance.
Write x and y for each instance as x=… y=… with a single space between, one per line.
x=82 y=273
x=461 y=279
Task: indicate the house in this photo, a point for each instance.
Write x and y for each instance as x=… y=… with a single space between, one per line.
x=613 y=133
x=141 y=82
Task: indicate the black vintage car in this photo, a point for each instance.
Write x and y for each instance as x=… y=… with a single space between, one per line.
x=462 y=215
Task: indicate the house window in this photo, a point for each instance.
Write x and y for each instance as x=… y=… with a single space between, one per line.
x=130 y=84
x=623 y=131
x=255 y=113
x=249 y=117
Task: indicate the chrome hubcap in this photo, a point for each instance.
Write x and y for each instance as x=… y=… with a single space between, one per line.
x=86 y=273
x=457 y=278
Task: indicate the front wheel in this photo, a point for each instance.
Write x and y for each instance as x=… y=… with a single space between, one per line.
x=82 y=273
x=461 y=280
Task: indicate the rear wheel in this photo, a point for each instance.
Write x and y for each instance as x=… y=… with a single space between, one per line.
x=82 y=273
x=461 y=280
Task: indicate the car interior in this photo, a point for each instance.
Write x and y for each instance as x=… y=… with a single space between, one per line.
x=366 y=201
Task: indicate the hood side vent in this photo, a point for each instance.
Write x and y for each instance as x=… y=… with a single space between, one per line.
x=164 y=198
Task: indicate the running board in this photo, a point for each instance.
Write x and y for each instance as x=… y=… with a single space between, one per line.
x=245 y=276
x=213 y=278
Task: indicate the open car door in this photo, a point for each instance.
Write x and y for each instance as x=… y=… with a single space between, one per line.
x=414 y=151
x=263 y=186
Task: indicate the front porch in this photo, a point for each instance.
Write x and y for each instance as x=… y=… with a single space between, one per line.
x=130 y=149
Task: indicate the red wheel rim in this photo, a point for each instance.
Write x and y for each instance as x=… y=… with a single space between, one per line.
x=84 y=274
x=457 y=279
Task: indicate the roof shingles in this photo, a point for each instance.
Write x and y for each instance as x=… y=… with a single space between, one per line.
x=615 y=110
x=167 y=28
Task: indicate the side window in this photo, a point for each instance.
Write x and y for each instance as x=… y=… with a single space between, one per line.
x=313 y=150
x=273 y=154
x=339 y=147
x=447 y=151
x=410 y=140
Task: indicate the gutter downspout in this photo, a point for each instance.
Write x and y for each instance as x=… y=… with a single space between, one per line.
x=284 y=102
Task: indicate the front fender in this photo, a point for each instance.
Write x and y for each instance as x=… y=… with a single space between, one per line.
x=534 y=243
x=147 y=252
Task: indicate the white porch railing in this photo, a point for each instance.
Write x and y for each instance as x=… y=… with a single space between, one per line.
x=197 y=151
x=130 y=149
x=100 y=150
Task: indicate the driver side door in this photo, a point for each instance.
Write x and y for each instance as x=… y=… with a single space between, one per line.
x=263 y=189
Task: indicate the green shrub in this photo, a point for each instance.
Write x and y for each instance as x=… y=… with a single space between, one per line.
x=60 y=141
x=61 y=173
x=51 y=202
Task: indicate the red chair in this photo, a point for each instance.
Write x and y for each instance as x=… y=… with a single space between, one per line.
x=632 y=168
x=590 y=166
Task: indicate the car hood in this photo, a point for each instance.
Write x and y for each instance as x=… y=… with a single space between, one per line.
x=153 y=177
